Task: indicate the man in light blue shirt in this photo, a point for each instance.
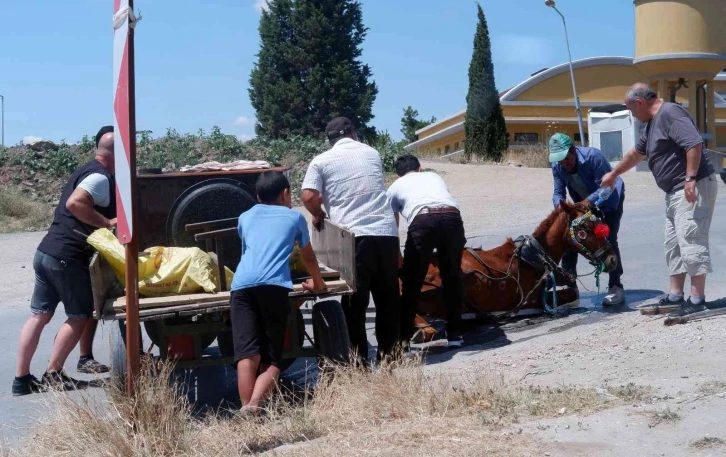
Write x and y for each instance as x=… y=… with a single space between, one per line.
x=579 y=170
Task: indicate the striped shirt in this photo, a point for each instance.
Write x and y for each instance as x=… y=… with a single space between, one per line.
x=349 y=177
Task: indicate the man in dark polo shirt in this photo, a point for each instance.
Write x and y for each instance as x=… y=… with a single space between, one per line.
x=674 y=148
x=61 y=263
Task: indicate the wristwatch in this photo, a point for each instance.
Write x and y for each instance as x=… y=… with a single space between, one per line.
x=690 y=178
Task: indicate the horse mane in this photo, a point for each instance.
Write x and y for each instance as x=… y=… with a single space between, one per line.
x=549 y=221
x=552 y=218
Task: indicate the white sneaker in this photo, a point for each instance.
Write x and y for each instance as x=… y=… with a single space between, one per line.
x=615 y=296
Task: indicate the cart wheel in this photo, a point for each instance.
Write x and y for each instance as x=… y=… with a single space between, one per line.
x=331 y=331
x=152 y=329
x=117 y=346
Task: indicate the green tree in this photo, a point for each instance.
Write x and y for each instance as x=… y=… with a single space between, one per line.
x=410 y=123
x=308 y=69
x=484 y=127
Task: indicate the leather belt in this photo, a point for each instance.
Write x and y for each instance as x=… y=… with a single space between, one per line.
x=441 y=210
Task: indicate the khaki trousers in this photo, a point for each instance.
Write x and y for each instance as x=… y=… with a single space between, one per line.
x=686 y=229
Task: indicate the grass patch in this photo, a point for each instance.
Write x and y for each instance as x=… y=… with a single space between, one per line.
x=19 y=212
x=530 y=156
x=713 y=387
x=664 y=416
x=395 y=410
x=631 y=393
x=707 y=442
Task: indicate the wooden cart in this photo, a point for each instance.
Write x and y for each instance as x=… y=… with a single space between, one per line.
x=183 y=326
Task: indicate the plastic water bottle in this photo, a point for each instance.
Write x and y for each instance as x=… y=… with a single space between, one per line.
x=603 y=194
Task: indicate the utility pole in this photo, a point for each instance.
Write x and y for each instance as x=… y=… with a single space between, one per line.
x=551 y=4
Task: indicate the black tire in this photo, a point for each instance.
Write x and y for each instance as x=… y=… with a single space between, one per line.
x=331 y=332
x=212 y=199
x=152 y=329
x=226 y=344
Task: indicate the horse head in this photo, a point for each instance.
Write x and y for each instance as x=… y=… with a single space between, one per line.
x=588 y=234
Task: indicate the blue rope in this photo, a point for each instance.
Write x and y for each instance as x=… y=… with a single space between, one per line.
x=551 y=282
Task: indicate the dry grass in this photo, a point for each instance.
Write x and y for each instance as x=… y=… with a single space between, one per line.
x=713 y=387
x=664 y=416
x=423 y=437
x=19 y=212
x=631 y=392
x=707 y=442
x=530 y=156
x=395 y=410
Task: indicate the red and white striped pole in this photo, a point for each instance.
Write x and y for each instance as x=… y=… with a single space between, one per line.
x=124 y=109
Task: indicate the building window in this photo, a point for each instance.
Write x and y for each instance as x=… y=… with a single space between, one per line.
x=447 y=149
x=526 y=137
x=577 y=138
x=456 y=146
x=438 y=151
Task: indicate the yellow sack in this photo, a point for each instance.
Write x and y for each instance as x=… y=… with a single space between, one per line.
x=165 y=271
x=297 y=266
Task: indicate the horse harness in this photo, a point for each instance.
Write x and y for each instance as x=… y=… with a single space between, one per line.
x=531 y=252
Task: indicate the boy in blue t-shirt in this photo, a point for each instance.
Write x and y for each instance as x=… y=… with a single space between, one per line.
x=259 y=299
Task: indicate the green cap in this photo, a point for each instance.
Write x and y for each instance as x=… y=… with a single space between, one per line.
x=560 y=145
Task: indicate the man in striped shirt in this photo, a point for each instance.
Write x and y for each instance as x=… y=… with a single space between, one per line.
x=348 y=180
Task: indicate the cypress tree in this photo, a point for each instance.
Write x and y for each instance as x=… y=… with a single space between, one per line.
x=484 y=128
x=309 y=69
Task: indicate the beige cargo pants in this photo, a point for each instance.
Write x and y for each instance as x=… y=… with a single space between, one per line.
x=686 y=229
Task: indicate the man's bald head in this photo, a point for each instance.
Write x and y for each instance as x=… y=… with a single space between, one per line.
x=104 y=147
x=105 y=143
x=642 y=100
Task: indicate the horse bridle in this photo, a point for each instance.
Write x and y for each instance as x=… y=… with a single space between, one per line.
x=578 y=233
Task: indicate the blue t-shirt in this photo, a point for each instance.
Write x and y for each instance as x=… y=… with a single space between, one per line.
x=268 y=234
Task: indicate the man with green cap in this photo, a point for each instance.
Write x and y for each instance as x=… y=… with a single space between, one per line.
x=580 y=169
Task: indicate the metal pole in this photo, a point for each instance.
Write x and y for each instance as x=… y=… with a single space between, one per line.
x=125 y=160
x=132 y=248
x=572 y=76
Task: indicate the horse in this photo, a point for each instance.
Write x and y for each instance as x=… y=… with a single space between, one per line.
x=513 y=276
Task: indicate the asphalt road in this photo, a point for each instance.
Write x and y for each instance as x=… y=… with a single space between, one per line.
x=645 y=277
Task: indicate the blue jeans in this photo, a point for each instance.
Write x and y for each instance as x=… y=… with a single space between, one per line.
x=61 y=281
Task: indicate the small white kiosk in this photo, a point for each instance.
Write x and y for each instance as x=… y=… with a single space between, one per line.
x=613 y=130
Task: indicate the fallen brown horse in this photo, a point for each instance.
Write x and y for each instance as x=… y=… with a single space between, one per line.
x=512 y=276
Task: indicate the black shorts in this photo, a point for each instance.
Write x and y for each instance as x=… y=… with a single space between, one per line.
x=259 y=321
x=61 y=281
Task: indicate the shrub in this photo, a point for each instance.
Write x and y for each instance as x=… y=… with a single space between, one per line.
x=62 y=162
x=389 y=150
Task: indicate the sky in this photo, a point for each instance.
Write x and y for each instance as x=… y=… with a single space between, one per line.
x=193 y=58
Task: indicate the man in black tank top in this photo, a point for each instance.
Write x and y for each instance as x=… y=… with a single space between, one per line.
x=61 y=263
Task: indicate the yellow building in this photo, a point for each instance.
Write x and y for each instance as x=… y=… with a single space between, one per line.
x=680 y=49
